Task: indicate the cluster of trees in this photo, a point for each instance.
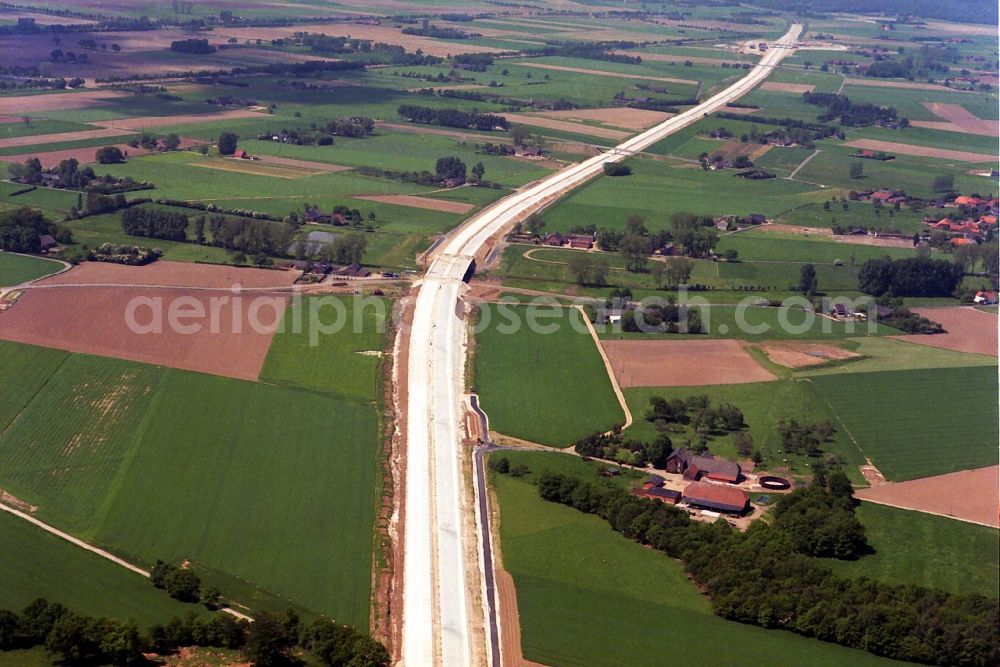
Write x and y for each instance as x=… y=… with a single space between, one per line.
x=666 y=318
x=502 y=465
x=850 y=113
x=588 y=269
x=110 y=155
x=615 y=447
x=804 y=438
x=117 y=253
x=617 y=169
x=98 y=203
x=251 y=237
x=922 y=64
x=70 y=176
x=21 y=228
x=762 y=577
x=181 y=584
x=227 y=143
x=695 y=235
x=450 y=167
x=452 y=117
x=474 y=62
x=698 y=412
x=155 y=223
x=904 y=319
x=150 y=141
x=912 y=276
x=269 y=641
x=756 y=174
x=197 y=46
x=322 y=135
x=346 y=249
x=431 y=30
x=588 y=50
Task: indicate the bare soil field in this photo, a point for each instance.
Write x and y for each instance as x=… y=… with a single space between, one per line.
x=921 y=151
x=417 y=128
x=802 y=354
x=632 y=119
x=303 y=164
x=143 y=122
x=44 y=19
x=419 y=202
x=85 y=155
x=911 y=85
x=682 y=363
x=969 y=495
x=379 y=33
x=23 y=104
x=969 y=330
x=254 y=167
x=94 y=320
x=173 y=274
x=733 y=149
x=566 y=126
x=617 y=75
x=740 y=110
x=13 y=142
x=797 y=88
x=958 y=119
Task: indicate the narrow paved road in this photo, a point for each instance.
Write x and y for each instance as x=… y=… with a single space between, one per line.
x=437 y=585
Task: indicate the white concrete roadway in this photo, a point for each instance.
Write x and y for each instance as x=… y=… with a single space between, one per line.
x=436 y=585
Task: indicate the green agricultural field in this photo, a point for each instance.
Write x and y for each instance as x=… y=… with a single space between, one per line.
x=655 y=190
x=53 y=203
x=571 y=569
x=926 y=550
x=887 y=354
x=755 y=244
x=551 y=388
x=857 y=214
x=344 y=361
x=763 y=404
x=915 y=423
x=17 y=269
x=159 y=463
x=34 y=564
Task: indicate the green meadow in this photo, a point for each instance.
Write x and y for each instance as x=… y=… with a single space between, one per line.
x=16 y=269
x=926 y=550
x=551 y=387
x=34 y=564
x=155 y=463
x=915 y=423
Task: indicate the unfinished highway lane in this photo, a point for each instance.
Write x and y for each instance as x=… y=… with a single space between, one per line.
x=439 y=573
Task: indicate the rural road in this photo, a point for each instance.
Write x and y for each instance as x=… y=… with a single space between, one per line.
x=437 y=583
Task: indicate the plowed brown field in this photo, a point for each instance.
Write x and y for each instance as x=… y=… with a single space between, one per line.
x=682 y=363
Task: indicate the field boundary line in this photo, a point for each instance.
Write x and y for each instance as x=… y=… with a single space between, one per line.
x=843 y=425
x=791 y=176
x=607 y=367
x=107 y=555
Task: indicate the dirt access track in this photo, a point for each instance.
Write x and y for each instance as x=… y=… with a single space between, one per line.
x=968 y=495
x=632 y=119
x=682 y=363
x=921 y=151
x=969 y=330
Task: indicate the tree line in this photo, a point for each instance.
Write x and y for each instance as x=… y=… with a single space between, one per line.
x=769 y=576
x=452 y=117
x=155 y=224
x=269 y=641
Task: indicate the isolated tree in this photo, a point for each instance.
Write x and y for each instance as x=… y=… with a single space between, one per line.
x=807 y=280
x=743 y=443
x=56 y=54
x=679 y=270
x=519 y=134
x=856 y=170
x=110 y=155
x=172 y=141
x=116 y=48
x=183 y=585
x=478 y=171
x=199 y=230
x=227 y=143
x=588 y=269
x=659 y=272
x=635 y=251
x=534 y=225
